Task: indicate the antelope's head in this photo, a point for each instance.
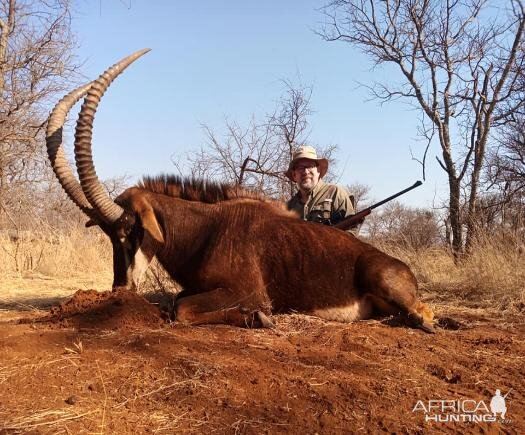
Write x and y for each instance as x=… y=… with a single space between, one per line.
x=130 y=221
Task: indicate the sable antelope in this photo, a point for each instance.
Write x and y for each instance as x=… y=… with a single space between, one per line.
x=237 y=255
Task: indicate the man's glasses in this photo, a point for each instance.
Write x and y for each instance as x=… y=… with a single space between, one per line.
x=305 y=166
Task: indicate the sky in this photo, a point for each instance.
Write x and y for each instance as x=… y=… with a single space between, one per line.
x=213 y=60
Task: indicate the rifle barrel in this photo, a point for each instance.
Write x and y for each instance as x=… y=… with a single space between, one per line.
x=352 y=221
x=390 y=198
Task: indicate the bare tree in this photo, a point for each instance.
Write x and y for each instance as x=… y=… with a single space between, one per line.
x=458 y=64
x=506 y=166
x=503 y=206
x=403 y=226
x=505 y=179
x=36 y=59
x=290 y=121
x=506 y=163
x=258 y=155
x=359 y=195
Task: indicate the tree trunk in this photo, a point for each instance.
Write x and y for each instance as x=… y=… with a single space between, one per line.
x=455 y=217
x=5 y=30
x=471 y=218
x=454 y=183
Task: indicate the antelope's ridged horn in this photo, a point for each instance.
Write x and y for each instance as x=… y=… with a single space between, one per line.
x=93 y=189
x=55 y=150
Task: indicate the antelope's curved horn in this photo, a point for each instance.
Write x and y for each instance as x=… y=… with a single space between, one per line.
x=56 y=154
x=93 y=189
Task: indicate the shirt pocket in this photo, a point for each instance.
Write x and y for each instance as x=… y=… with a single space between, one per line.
x=322 y=210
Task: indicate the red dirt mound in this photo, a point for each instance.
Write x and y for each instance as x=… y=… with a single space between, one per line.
x=89 y=309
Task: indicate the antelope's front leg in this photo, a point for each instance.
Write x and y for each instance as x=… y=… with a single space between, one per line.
x=223 y=305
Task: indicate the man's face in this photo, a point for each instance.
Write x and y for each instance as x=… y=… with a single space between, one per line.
x=306 y=174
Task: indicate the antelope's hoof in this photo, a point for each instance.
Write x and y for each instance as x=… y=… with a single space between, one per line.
x=264 y=320
x=427 y=327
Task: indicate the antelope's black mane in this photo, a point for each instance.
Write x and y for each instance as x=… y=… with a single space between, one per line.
x=197 y=189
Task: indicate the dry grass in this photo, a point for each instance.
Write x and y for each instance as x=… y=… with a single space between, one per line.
x=493 y=276
x=82 y=251
x=38 y=270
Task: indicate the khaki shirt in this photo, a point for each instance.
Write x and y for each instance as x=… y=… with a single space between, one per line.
x=327 y=203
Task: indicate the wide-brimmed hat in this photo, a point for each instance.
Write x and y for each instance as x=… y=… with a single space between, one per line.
x=307 y=152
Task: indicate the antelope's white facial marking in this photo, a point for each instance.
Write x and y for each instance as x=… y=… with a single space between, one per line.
x=137 y=267
x=357 y=310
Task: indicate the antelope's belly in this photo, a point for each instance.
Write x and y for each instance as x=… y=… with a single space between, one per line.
x=355 y=310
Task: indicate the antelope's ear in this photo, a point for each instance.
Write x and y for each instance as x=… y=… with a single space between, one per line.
x=151 y=225
x=148 y=218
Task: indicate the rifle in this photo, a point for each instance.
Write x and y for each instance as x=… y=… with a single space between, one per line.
x=356 y=219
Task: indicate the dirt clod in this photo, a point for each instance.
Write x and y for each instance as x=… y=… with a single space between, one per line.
x=108 y=310
x=71 y=400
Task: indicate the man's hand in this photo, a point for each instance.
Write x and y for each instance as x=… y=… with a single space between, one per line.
x=357 y=222
x=354 y=220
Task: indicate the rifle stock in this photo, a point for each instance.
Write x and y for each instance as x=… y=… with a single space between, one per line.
x=356 y=219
